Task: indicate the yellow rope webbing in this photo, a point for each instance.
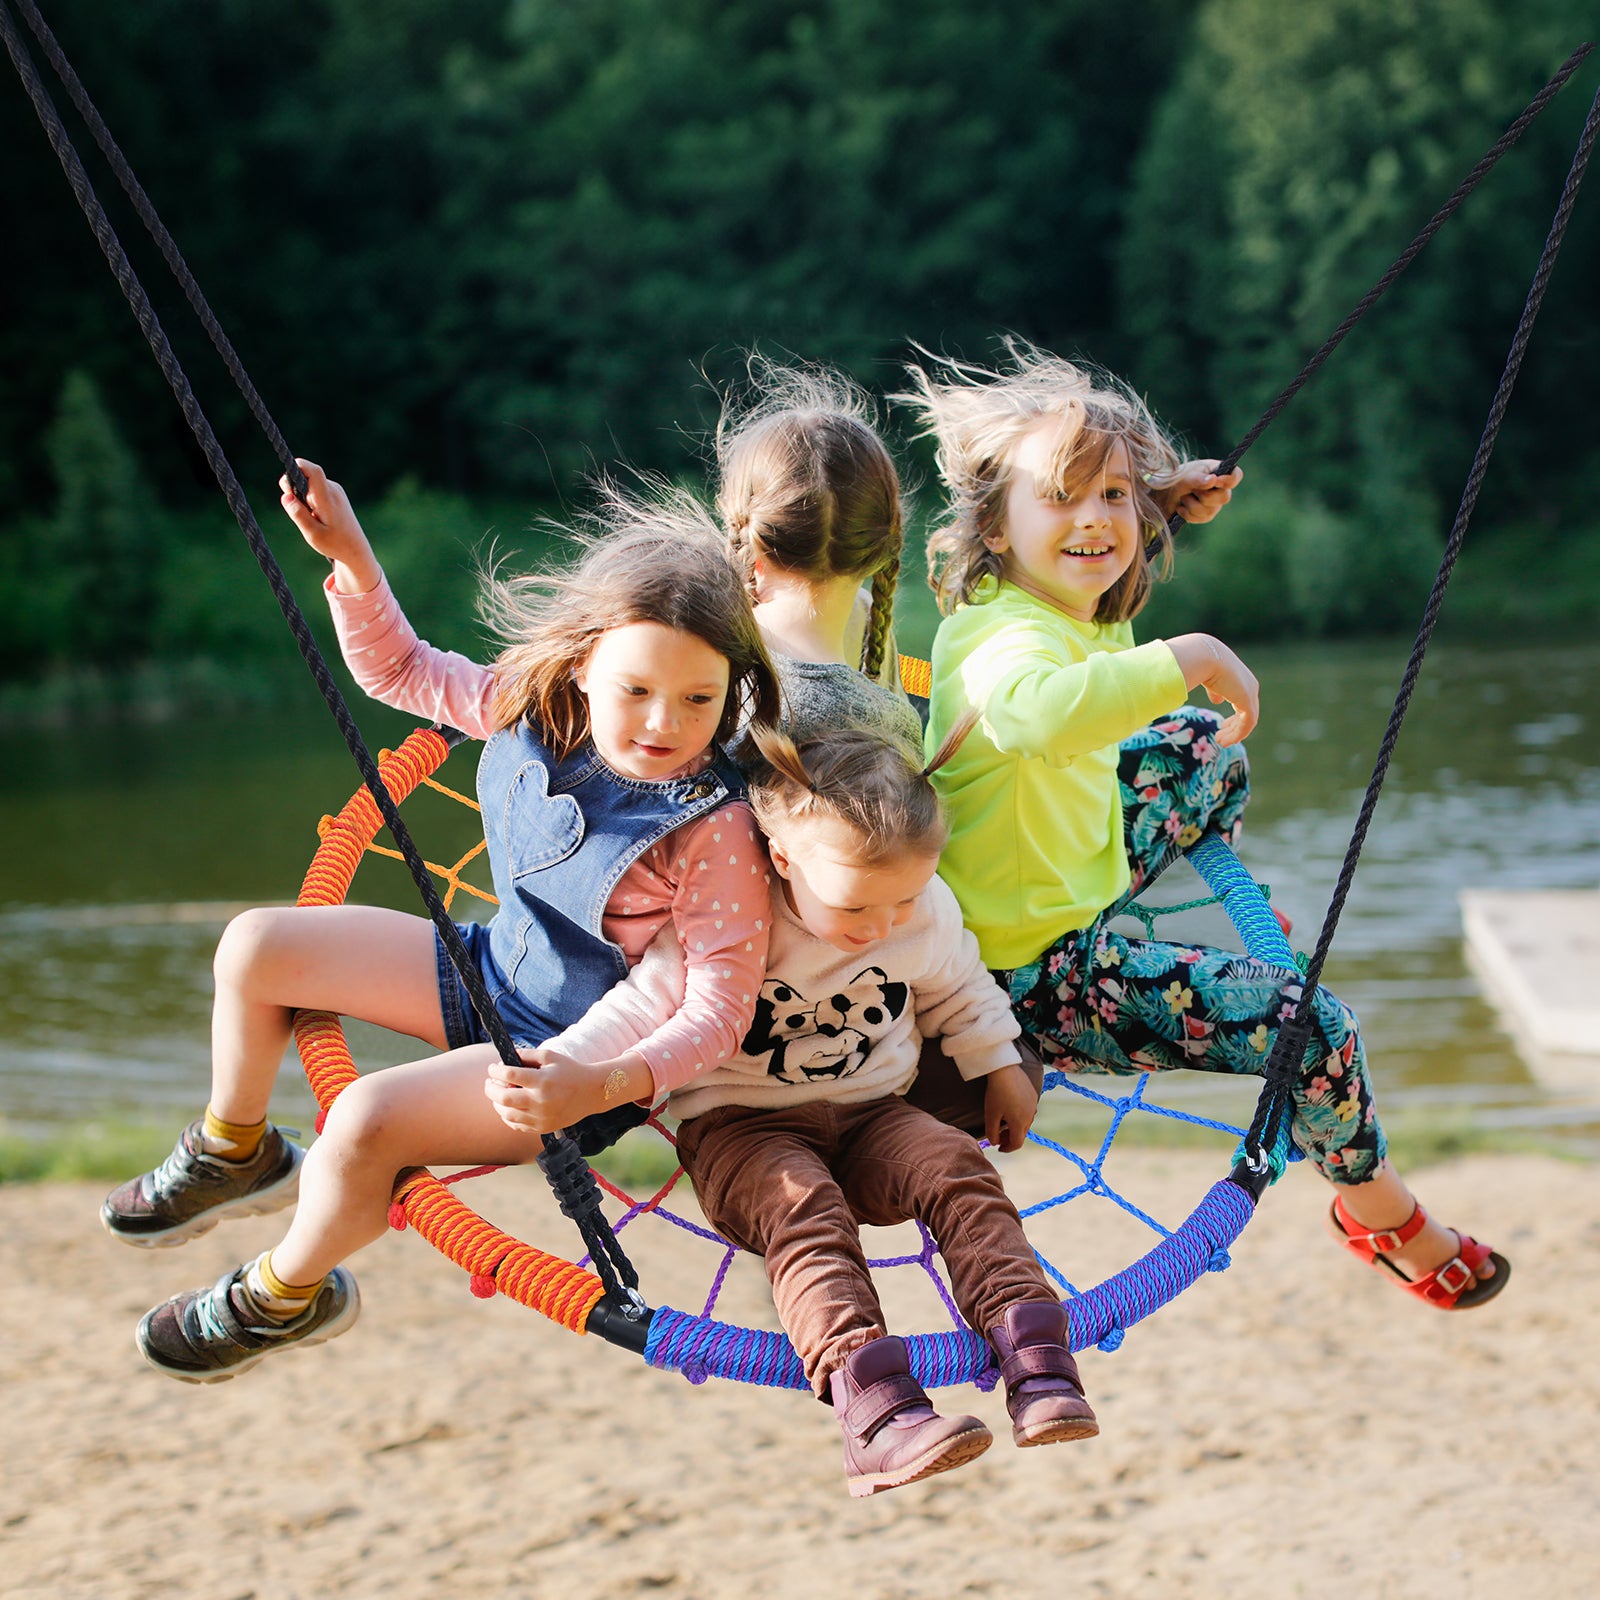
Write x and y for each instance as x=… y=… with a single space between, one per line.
x=916 y=677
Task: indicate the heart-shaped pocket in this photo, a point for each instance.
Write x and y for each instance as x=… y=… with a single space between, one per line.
x=540 y=828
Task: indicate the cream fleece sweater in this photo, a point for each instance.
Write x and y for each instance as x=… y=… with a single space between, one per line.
x=829 y=1025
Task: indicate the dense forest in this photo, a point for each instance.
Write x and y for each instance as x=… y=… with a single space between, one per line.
x=473 y=252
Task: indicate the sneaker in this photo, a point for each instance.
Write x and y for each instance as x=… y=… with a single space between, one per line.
x=191 y=1192
x=892 y=1434
x=211 y=1335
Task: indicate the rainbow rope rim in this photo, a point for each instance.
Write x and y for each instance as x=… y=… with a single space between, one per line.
x=700 y=1346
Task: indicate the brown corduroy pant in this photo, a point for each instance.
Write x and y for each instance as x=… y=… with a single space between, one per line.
x=795 y=1183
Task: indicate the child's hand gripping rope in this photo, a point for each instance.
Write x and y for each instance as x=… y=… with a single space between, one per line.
x=556 y=1091
x=1195 y=491
x=327 y=522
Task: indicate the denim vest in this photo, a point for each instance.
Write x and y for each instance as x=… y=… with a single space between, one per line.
x=560 y=835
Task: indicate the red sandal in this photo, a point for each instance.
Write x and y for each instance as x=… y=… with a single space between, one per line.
x=1449 y=1287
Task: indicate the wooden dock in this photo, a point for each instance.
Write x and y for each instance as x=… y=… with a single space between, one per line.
x=1537 y=954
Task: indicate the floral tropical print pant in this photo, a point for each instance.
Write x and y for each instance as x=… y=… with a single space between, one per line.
x=1098 y=1001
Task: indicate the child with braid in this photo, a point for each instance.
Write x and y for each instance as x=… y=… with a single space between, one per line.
x=810 y=500
x=1061 y=483
x=806 y=1134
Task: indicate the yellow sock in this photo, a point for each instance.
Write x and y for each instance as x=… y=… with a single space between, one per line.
x=233 y=1141
x=278 y=1299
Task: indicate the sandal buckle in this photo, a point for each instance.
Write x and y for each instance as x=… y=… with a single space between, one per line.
x=1453 y=1277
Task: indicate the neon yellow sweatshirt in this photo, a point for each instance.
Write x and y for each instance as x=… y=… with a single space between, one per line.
x=1032 y=795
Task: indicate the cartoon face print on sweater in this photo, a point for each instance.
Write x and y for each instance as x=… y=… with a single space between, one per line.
x=827 y=1038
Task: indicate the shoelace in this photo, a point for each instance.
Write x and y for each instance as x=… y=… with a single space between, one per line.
x=181 y=1169
x=213 y=1315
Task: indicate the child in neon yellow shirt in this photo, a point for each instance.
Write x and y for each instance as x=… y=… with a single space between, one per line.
x=1061 y=483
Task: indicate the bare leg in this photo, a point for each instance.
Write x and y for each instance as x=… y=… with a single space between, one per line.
x=361 y=961
x=424 y=1113
x=1386 y=1202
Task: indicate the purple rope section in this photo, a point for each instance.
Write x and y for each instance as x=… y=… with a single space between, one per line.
x=701 y=1348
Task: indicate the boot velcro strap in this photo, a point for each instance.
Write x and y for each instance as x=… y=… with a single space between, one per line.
x=1039 y=1361
x=874 y=1405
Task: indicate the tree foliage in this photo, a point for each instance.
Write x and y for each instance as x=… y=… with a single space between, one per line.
x=477 y=249
x=95 y=559
x=1320 y=139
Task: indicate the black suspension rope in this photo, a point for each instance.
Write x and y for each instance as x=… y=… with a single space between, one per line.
x=1295 y=1034
x=1401 y=262
x=157 y=230
x=581 y=1199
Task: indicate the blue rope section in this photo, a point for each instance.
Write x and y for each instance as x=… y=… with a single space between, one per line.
x=702 y=1348
x=1264 y=938
x=1241 y=897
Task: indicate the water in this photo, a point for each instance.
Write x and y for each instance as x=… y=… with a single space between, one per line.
x=125 y=849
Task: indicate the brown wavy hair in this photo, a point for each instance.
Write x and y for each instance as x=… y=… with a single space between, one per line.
x=873 y=783
x=978 y=417
x=651 y=556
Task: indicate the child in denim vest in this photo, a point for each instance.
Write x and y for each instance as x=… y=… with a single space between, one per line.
x=610 y=813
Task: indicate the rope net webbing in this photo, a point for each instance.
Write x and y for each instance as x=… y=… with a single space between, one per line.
x=702 y=1345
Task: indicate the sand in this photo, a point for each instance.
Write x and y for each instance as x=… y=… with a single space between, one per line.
x=1293 y=1426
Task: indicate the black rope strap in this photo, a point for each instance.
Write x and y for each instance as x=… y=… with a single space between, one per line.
x=579 y=1195
x=157 y=230
x=1401 y=262
x=1295 y=1035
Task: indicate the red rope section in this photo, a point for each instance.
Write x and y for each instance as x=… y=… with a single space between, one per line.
x=555 y=1288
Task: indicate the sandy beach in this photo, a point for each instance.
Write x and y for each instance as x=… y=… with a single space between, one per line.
x=1293 y=1426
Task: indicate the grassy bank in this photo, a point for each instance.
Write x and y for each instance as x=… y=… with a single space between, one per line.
x=642 y=1162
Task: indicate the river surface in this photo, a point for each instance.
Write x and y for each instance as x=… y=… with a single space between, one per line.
x=125 y=848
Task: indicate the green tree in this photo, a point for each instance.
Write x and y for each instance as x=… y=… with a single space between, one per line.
x=1293 y=156
x=97 y=558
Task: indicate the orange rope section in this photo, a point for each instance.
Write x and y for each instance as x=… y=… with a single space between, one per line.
x=557 y=1289
x=916 y=677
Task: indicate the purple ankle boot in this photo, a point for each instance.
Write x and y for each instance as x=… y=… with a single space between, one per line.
x=1043 y=1392
x=892 y=1435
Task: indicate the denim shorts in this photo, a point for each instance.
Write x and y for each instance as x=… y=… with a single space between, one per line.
x=463 y=1026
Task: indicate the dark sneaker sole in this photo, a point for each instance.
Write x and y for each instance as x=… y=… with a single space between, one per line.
x=274 y=1197
x=331 y=1329
x=953 y=1452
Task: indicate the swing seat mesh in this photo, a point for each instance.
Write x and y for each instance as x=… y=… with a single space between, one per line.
x=699 y=1344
